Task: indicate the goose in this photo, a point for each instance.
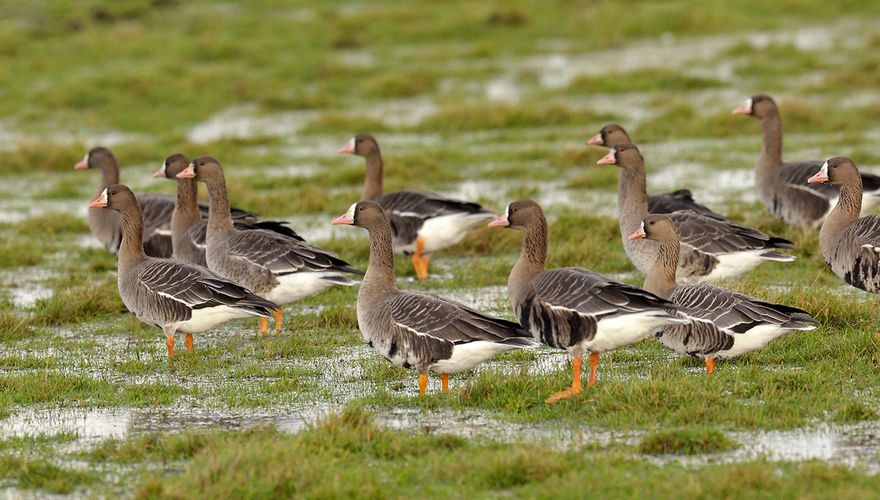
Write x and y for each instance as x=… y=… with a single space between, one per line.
x=681 y=199
x=421 y=222
x=276 y=267
x=572 y=308
x=171 y=295
x=106 y=225
x=725 y=324
x=416 y=330
x=783 y=187
x=189 y=227
x=850 y=245
x=711 y=249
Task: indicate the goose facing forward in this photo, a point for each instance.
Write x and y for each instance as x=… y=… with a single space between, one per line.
x=711 y=249
x=276 y=267
x=725 y=323
x=189 y=226
x=572 y=308
x=783 y=186
x=850 y=245
x=168 y=294
x=421 y=222
x=416 y=330
x=681 y=199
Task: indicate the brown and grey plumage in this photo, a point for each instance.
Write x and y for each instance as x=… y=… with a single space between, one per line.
x=417 y=330
x=157 y=209
x=783 y=186
x=725 y=323
x=277 y=267
x=171 y=295
x=188 y=224
x=421 y=222
x=681 y=199
x=851 y=245
x=576 y=309
x=712 y=249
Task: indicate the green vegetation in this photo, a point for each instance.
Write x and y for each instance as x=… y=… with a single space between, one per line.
x=491 y=102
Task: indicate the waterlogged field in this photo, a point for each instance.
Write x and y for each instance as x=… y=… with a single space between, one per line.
x=490 y=102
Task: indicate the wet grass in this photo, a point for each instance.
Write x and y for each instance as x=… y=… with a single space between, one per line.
x=425 y=80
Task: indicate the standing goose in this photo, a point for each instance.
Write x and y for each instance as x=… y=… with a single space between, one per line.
x=174 y=296
x=274 y=266
x=783 y=186
x=417 y=330
x=682 y=199
x=421 y=222
x=189 y=226
x=725 y=324
x=711 y=249
x=851 y=245
x=572 y=308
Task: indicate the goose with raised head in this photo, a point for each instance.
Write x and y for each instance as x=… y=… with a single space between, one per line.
x=850 y=244
x=681 y=199
x=783 y=187
x=725 y=324
x=172 y=295
x=276 y=267
x=189 y=225
x=711 y=249
x=572 y=308
x=416 y=330
x=421 y=222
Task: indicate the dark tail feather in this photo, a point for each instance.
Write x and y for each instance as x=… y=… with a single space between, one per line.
x=775 y=242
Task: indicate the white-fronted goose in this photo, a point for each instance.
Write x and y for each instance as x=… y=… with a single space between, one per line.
x=572 y=308
x=275 y=267
x=421 y=222
x=682 y=199
x=783 y=186
x=711 y=249
x=174 y=296
x=725 y=324
x=416 y=330
x=851 y=245
x=189 y=226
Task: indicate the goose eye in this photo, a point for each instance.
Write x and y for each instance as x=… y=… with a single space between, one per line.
x=515 y=210
x=651 y=223
x=834 y=166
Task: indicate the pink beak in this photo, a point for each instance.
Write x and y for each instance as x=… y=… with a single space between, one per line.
x=98 y=202
x=742 y=110
x=347 y=149
x=159 y=173
x=81 y=165
x=343 y=219
x=188 y=173
x=819 y=177
x=608 y=159
x=500 y=222
x=639 y=233
x=596 y=140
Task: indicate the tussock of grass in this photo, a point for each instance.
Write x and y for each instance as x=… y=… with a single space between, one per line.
x=38 y=474
x=685 y=441
x=640 y=81
x=51 y=225
x=478 y=116
x=75 y=305
x=51 y=387
x=153 y=447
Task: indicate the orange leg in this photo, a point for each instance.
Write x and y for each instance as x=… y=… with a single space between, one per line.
x=264 y=325
x=444 y=381
x=278 y=323
x=423 y=384
x=575 y=388
x=189 y=342
x=169 y=342
x=710 y=366
x=420 y=264
x=594 y=366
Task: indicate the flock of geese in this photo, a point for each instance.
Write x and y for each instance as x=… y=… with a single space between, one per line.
x=186 y=267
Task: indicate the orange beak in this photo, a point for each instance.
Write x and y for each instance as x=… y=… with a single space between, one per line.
x=159 y=173
x=188 y=173
x=100 y=201
x=347 y=149
x=343 y=219
x=639 y=233
x=608 y=159
x=596 y=140
x=820 y=177
x=81 y=165
x=742 y=110
x=500 y=222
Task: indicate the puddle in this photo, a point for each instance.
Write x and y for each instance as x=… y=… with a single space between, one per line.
x=242 y=122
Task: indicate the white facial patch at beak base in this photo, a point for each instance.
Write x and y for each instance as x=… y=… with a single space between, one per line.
x=350 y=212
x=824 y=169
x=748 y=103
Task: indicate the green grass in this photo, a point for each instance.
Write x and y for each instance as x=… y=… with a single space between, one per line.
x=685 y=441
